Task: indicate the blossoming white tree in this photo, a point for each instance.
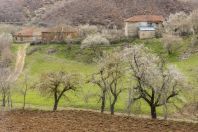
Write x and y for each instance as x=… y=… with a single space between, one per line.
x=109 y=78
x=155 y=83
x=94 y=42
x=57 y=84
x=178 y=23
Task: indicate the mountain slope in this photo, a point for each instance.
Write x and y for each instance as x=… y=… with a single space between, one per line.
x=103 y=12
x=108 y=12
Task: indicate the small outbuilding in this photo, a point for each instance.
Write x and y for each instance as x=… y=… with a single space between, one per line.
x=27 y=35
x=59 y=34
x=143 y=26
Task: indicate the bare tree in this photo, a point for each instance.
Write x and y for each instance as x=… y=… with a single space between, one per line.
x=5 y=85
x=100 y=80
x=109 y=78
x=155 y=83
x=25 y=87
x=57 y=84
x=5 y=70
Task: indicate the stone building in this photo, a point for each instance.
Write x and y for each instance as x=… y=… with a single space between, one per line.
x=27 y=35
x=143 y=26
x=59 y=34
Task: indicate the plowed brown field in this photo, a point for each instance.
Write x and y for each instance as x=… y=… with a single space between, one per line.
x=82 y=121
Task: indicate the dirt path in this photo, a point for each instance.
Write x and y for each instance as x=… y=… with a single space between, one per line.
x=20 y=61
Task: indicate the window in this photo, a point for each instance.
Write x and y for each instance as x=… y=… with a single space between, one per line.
x=150 y=24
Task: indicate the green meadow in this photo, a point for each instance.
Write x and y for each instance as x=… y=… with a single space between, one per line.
x=55 y=57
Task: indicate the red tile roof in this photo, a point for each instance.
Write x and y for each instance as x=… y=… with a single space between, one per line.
x=146 y=18
x=25 y=32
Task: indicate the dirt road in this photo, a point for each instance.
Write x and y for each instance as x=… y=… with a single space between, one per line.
x=20 y=61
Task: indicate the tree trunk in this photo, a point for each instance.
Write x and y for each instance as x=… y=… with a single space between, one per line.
x=55 y=105
x=169 y=52
x=24 y=101
x=112 y=109
x=153 y=112
x=113 y=105
x=103 y=103
x=165 y=112
x=4 y=101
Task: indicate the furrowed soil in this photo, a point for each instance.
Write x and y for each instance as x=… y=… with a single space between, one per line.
x=83 y=121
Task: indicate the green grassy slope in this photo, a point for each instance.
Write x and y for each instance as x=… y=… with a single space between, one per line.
x=45 y=58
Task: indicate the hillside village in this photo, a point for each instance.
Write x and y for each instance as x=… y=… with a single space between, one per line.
x=112 y=66
x=143 y=26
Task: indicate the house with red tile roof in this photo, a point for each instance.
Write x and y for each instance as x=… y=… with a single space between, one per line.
x=46 y=35
x=144 y=26
x=27 y=35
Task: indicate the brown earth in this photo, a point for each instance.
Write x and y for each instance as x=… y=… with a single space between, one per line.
x=83 y=121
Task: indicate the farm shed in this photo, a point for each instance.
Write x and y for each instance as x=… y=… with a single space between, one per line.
x=27 y=35
x=142 y=24
x=59 y=34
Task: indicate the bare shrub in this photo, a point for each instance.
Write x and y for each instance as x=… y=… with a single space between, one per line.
x=5 y=45
x=194 y=41
x=32 y=50
x=6 y=28
x=171 y=43
x=194 y=21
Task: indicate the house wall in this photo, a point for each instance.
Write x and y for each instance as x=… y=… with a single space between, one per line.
x=56 y=36
x=22 y=39
x=146 y=34
x=26 y=39
x=131 y=29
